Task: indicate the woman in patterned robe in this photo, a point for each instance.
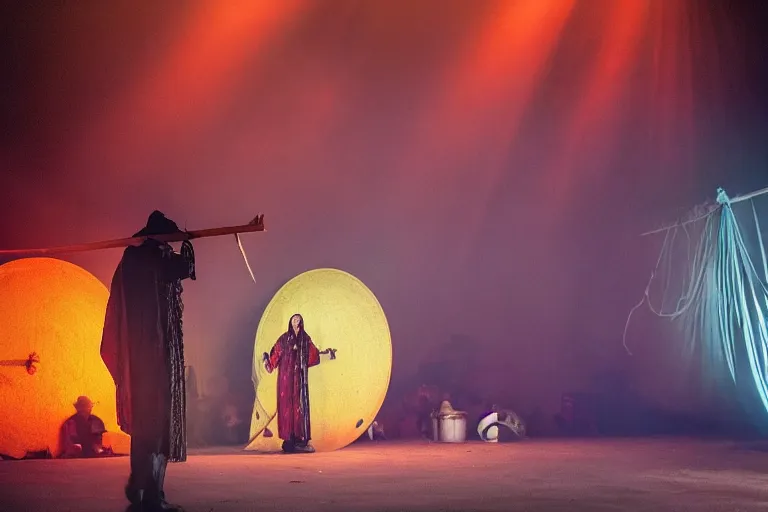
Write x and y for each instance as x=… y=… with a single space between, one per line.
x=292 y=355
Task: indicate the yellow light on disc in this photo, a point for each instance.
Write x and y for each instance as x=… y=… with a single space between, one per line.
x=56 y=310
x=346 y=393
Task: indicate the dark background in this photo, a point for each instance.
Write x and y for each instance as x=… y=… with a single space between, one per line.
x=485 y=167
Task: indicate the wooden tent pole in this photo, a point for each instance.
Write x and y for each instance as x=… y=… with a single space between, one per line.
x=257 y=224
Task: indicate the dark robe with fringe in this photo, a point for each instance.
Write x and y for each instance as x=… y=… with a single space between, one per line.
x=143 y=349
x=293 y=355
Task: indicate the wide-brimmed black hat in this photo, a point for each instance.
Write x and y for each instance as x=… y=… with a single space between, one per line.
x=159 y=224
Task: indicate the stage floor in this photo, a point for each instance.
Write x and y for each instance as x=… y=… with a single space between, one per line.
x=590 y=475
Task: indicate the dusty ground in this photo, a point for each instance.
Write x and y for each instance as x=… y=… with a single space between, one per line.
x=590 y=475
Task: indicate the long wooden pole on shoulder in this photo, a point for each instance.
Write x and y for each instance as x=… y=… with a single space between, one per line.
x=257 y=224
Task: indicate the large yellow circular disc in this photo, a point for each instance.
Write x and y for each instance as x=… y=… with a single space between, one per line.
x=56 y=310
x=345 y=394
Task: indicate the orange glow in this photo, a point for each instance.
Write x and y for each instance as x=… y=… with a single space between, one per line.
x=622 y=34
x=192 y=81
x=491 y=86
x=671 y=96
x=55 y=309
x=218 y=38
x=508 y=58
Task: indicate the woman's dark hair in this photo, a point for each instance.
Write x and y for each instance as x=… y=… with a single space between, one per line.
x=301 y=324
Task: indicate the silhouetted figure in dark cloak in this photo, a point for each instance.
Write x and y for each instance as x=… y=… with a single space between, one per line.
x=143 y=349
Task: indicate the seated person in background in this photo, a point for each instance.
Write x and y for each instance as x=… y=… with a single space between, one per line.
x=82 y=432
x=235 y=429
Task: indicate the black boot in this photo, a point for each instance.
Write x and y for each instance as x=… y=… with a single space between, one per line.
x=154 y=501
x=141 y=472
x=132 y=491
x=289 y=446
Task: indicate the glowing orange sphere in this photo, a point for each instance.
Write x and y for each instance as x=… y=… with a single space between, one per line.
x=55 y=310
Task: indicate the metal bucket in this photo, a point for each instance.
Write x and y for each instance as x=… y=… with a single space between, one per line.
x=453 y=427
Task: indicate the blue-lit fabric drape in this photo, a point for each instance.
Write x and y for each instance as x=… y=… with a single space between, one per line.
x=723 y=303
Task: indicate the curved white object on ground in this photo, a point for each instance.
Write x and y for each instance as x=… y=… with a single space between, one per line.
x=488 y=428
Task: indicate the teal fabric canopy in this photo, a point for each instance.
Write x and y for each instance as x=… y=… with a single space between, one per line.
x=722 y=298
